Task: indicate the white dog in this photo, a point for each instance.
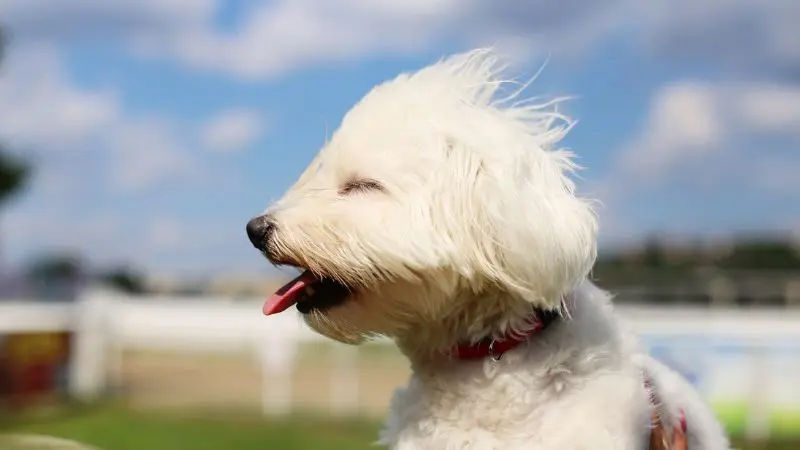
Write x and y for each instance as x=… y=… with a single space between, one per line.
x=441 y=214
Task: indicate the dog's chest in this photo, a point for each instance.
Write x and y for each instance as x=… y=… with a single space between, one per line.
x=519 y=411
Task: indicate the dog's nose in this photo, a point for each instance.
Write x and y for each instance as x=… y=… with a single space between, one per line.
x=259 y=231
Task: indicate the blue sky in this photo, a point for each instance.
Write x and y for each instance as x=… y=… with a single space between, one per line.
x=158 y=127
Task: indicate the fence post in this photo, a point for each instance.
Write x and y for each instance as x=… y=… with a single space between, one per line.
x=722 y=291
x=276 y=352
x=793 y=293
x=88 y=368
x=757 y=427
x=344 y=380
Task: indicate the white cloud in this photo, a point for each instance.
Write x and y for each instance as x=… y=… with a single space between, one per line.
x=45 y=114
x=276 y=37
x=232 y=130
x=770 y=108
x=683 y=123
x=690 y=124
x=145 y=153
x=40 y=109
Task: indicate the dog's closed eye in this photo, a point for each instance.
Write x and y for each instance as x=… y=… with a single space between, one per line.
x=360 y=185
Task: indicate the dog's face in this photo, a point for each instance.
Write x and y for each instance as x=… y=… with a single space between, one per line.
x=431 y=206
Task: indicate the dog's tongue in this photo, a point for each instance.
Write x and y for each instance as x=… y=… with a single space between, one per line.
x=288 y=295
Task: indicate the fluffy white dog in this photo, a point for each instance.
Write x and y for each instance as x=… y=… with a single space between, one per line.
x=441 y=214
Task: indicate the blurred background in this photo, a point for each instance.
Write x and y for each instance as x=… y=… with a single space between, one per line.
x=137 y=137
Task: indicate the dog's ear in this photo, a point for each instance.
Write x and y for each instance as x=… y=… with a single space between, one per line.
x=532 y=236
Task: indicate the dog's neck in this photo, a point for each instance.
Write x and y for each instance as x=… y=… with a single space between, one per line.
x=509 y=321
x=495 y=347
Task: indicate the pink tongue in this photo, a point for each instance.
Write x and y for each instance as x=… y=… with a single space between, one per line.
x=288 y=295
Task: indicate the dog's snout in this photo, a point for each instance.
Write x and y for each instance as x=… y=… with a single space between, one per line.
x=259 y=230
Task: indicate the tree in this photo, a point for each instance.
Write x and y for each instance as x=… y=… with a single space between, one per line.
x=653 y=253
x=58 y=267
x=125 y=279
x=14 y=172
x=762 y=254
x=57 y=277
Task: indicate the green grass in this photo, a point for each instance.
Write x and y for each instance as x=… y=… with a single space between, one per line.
x=783 y=423
x=120 y=429
x=114 y=428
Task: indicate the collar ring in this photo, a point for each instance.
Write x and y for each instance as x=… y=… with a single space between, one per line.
x=495 y=356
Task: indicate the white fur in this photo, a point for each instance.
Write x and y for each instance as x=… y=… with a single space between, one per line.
x=476 y=223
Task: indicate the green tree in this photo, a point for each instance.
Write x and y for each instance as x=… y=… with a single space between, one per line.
x=653 y=253
x=55 y=277
x=14 y=172
x=55 y=268
x=762 y=254
x=125 y=279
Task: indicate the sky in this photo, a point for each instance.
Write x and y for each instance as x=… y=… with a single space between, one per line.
x=159 y=127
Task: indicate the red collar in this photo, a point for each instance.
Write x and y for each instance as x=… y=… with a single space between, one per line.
x=495 y=348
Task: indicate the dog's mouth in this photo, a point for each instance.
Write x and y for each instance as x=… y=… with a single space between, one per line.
x=309 y=292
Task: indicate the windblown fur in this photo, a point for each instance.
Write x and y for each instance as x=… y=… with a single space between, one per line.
x=445 y=202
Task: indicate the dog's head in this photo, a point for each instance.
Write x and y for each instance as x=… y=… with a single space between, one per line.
x=435 y=210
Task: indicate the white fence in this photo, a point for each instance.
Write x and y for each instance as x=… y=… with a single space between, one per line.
x=107 y=323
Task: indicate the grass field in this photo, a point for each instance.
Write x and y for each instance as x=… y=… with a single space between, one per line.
x=115 y=428
x=120 y=429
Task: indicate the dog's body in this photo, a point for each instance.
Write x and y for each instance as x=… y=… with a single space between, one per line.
x=580 y=384
x=440 y=215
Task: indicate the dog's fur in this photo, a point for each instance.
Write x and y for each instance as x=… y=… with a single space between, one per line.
x=445 y=203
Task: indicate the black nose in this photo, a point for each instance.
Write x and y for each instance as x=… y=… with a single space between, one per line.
x=259 y=231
